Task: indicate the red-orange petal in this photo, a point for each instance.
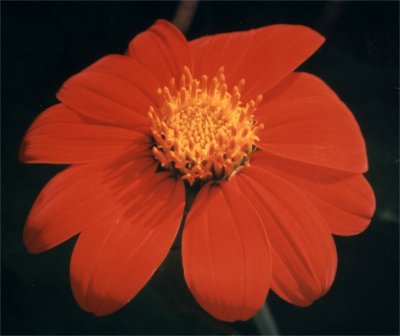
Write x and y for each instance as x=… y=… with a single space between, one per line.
x=59 y=135
x=163 y=50
x=226 y=254
x=305 y=121
x=263 y=57
x=346 y=201
x=115 y=258
x=116 y=91
x=80 y=196
x=303 y=252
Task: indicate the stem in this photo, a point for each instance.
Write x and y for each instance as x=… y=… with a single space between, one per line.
x=264 y=322
x=184 y=14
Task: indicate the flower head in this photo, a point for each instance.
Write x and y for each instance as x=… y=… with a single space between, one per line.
x=201 y=131
x=277 y=156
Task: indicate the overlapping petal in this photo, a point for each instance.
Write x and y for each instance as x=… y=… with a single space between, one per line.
x=59 y=135
x=305 y=121
x=226 y=254
x=115 y=91
x=129 y=216
x=263 y=57
x=346 y=201
x=303 y=252
x=163 y=50
x=115 y=258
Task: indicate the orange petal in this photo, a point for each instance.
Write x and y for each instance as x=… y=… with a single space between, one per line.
x=163 y=50
x=115 y=258
x=305 y=121
x=303 y=252
x=346 y=201
x=226 y=254
x=273 y=51
x=115 y=91
x=79 y=197
x=59 y=135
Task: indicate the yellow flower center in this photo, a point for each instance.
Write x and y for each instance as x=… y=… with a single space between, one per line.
x=201 y=130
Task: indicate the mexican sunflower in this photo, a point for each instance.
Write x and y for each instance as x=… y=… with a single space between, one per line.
x=277 y=159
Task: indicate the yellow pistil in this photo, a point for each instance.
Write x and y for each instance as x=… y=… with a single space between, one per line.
x=202 y=130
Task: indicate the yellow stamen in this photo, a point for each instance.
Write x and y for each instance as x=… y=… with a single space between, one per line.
x=201 y=131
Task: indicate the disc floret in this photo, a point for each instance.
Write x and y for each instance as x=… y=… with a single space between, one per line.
x=201 y=130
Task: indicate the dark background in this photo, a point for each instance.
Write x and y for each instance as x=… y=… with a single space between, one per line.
x=43 y=43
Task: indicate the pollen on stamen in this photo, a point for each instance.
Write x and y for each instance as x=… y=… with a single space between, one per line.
x=201 y=128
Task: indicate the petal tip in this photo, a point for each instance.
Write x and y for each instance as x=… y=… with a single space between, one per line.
x=33 y=246
x=319 y=38
x=22 y=157
x=32 y=242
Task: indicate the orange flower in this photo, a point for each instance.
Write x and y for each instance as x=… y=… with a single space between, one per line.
x=277 y=156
